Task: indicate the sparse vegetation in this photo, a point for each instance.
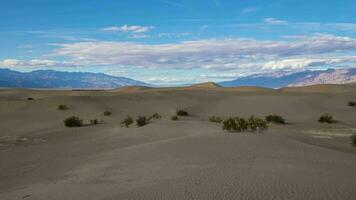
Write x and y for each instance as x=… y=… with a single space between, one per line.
x=237 y=124
x=73 y=122
x=326 y=118
x=94 y=122
x=155 y=116
x=107 y=113
x=30 y=98
x=62 y=107
x=215 y=119
x=174 y=118
x=354 y=140
x=276 y=119
x=351 y=103
x=127 y=121
x=181 y=112
x=141 y=121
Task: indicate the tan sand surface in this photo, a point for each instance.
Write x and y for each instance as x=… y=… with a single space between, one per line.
x=191 y=158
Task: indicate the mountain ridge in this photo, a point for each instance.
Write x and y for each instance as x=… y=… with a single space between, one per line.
x=294 y=79
x=60 y=79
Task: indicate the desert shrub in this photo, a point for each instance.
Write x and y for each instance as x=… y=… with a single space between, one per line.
x=73 y=122
x=354 y=140
x=127 y=121
x=237 y=124
x=30 y=98
x=155 y=116
x=181 y=112
x=215 y=119
x=326 y=118
x=276 y=119
x=255 y=123
x=351 y=103
x=141 y=121
x=94 y=122
x=174 y=118
x=62 y=107
x=107 y=113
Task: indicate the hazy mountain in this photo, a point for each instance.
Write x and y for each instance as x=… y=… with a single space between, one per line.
x=303 y=78
x=57 y=79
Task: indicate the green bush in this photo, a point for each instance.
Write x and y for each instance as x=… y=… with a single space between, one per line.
x=155 y=116
x=62 y=107
x=237 y=124
x=354 y=140
x=256 y=123
x=127 y=121
x=73 y=122
x=174 y=118
x=141 y=121
x=94 y=122
x=276 y=119
x=30 y=98
x=351 y=103
x=326 y=118
x=181 y=112
x=107 y=113
x=215 y=119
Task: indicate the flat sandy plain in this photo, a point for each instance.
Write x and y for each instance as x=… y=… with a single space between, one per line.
x=191 y=158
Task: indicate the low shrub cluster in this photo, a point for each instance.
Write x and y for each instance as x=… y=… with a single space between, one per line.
x=181 y=112
x=155 y=116
x=30 y=98
x=326 y=118
x=351 y=103
x=107 y=113
x=237 y=124
x=141 y=121
x=73 y=122
x=354 y=140
x=276 y=119
x=215 y=119
x=62 y=107
x=174 y=118
x=94 y=121
x=127 y=121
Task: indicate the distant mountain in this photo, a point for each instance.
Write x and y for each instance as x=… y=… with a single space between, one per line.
x=57 y=79
x=303 y=78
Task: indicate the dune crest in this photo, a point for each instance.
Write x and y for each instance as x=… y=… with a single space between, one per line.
x=206 y=85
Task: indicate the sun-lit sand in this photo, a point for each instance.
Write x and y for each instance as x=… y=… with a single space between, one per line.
x=191 y=158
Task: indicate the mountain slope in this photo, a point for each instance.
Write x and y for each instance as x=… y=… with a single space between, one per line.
x=57 y=79
x=304 y=78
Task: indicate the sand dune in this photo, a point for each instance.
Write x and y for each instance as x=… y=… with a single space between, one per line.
x=191 y=158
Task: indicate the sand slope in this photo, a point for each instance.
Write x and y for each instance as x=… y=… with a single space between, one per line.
x=186 y=159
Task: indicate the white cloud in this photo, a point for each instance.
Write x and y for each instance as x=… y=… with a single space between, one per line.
x=209 y=54
x=305 y=62
x=234 y=54
x=274 y=21
x=129 y=29
x=249 y=10
x=139 y=36
x=15 y=63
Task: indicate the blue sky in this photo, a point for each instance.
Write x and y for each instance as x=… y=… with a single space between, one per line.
x=170 y=42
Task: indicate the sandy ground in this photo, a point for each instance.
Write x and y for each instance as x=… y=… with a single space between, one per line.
x=187 y=159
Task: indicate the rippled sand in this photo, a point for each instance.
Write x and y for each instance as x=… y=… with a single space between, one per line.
x=186 y=159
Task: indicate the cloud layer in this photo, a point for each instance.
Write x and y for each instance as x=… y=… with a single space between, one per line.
x=224 y=55
x=129 y=29
x=215 y=54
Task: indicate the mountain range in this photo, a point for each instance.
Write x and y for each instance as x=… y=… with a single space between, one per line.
x=292 y=79
x=57 y=79
x=87 y=80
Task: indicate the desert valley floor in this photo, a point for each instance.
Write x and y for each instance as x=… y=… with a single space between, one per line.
x=191 y=158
